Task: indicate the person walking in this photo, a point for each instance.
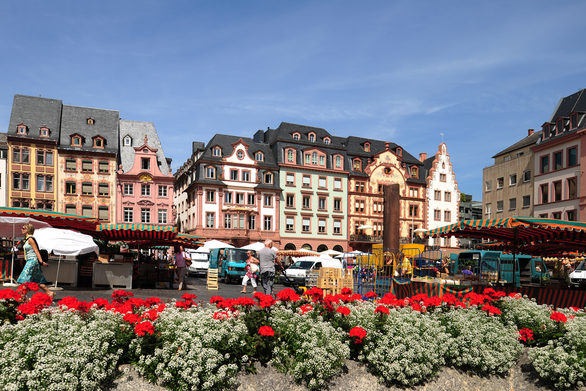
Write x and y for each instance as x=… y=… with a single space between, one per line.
x=267 y=258
x=180 y=263
x=32 y=269
x=251 y=269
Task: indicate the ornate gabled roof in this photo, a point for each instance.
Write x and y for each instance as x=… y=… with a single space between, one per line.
x=137 y=130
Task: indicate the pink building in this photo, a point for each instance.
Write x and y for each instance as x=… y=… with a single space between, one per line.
x=145 y=182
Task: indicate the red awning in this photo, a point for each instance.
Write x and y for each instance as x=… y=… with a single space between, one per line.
x=56 y=219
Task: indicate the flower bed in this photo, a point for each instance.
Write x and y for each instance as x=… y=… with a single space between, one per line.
x=185 y=344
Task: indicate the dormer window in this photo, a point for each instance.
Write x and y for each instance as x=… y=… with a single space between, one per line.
x=414 y=172
x=311 y=137
x=296 y=136
x=21 y=129
x=327 y=140
x=366 y=147
x=338 y=162
x=290 y=156
x=91 y=121
x=76 y=141
x=210 y=172
x=399 y=151
x=268 y=178
x=546 y=129
x=574 y=121
x=98 y=142
x=259 y=157
x=127 y=141
x=357 y=164
x=217 y=151
x=44 y=132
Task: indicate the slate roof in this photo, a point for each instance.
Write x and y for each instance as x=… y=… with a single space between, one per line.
x=36 y=112
x=225 y=142
x=572 y=103
x=137 y=130
x=527 y=141
x=74 y=121
x=285 y=131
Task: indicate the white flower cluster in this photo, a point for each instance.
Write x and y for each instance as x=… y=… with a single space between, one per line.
x=59 y=351
x=526 y=313
x=194 y=351
x=563 y=361
x=308 y=349
x=480 y=342
x=407 y=347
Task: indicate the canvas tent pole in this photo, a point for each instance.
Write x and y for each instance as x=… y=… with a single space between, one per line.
x=57 y=274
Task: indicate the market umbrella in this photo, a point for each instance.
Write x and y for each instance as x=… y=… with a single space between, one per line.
x=257 y=246
x=64 y=242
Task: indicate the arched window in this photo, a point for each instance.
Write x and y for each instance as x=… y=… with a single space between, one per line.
x=357 y=165
x=414 y=172
x=76 y=141
x=240 y=154
x=21 y=129
x=321 y=247
x=290 y=246
x=296 y=136
x=98 y=142
x=366 y=147
x=91 y=121
x=311 y=137
x=399 y=151
x=327 y=140
x=44 y=132
x=127 y=141
x=217 y=151
x=259 y=157
x=290 y=156
x=338 y=161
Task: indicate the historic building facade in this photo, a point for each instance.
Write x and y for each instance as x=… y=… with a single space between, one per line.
x=442 y=195
x=144 y=179
x=232 y=192
x=508 y=183
x=86 y=163
x=32 y=138
x=560 y=155
x=313 y=183
x=3 y=169
x=375 y=164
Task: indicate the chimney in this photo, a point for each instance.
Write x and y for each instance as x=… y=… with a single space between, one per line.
x=530 y=132
x=422 y=156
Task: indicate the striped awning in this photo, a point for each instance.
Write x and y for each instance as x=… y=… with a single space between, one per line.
x=55 y=219
x=517 y=231
x=189 y=240
x=131 y=232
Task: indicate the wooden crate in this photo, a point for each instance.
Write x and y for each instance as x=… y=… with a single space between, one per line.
x=212 y=281
x=311 y=279
x=330 y=280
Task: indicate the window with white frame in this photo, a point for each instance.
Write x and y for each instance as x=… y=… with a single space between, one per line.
x=251 y=197
x=240 y=198
x=337 y=227
x=251 y=222
x=337 y=204
x=259 y=156
x=145 y=190
x=268 y=223
x=290 y=178
x=145 y=215
x=129 y=189
x=210 y=196
x=246 y=176
x=306 y=181
x=337 y=184
x=268 y=200
x=322 y=182
x=162 y=216
x=128 y=215
x=513 y=180
x=228 y=197
x=210 y=220
x=290 y=224
x=305 y=226
x=268 y=178
x=499 y=206
x=227 y=221
x=162 y=190
x=321 y=226
x=233 y=175
x=44 y=183
x=210 y=172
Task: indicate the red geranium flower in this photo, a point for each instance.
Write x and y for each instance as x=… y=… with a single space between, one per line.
x=9 y=294
x=143 y=328
x=558 y=317
x=305 y=308
x=287 y=295
x=525 y=335
x=131 y=318
x=381 y=309
x=370 y=294
x=343 y=310
x=358 y=333
x=346 y=291
x=216 y=299
x=491 y=310
x=266 y=331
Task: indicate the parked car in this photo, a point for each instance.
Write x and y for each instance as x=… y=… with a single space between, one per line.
x=199 y=263
x=297 y=272
x=577 y=278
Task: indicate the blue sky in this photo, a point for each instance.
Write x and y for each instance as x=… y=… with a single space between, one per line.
x=475 y=74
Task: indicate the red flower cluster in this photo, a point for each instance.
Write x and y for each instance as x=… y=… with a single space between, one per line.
x=558 y=317
x=343 y=310
x=305 y=308
x=37 y=302
x=346 y=291
x=266 y=331
x=525 y=335
x=121 y=295
x=490 y=310
x=188 y=301
x=143 y=328
x=288 y=295
x=9 y=294
x=316 y=294
x=264 y=301
x=27 y=287
x=381 y=309
x=370 y=295
x=358 y=333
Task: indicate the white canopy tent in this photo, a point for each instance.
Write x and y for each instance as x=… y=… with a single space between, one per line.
x=257 y=246
x=210 y=245
x=64 y=242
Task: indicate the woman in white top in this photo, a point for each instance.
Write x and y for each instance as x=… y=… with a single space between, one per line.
x=251 y=270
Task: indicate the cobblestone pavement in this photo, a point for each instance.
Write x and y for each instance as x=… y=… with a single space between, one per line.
x=195 y=285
